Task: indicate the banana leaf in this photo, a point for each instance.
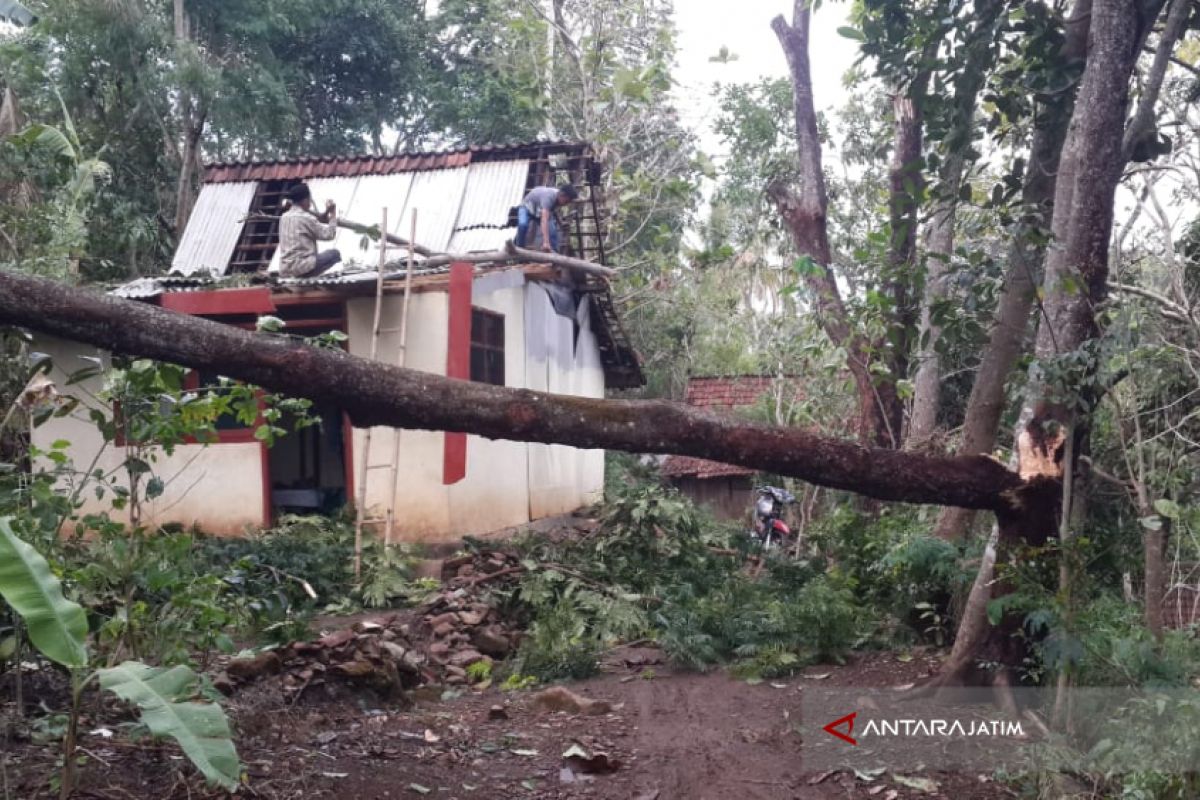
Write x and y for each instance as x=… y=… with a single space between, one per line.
x=164 y=697
x=56 y=626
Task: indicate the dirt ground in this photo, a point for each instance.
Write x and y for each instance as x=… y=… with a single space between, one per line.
x=676 y=736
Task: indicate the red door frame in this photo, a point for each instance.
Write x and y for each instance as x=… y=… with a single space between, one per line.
x=458 y=363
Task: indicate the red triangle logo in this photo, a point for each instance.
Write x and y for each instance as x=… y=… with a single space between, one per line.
x=848 y=720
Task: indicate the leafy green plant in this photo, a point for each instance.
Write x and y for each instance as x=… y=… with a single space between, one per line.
x=517 y=682
x=480 y=671
x=559 y=645
x=387 y=575
x=58 y=629
x=765 y=633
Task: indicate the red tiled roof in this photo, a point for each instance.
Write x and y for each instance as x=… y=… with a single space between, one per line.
x=719 y=394
x=350 y=166
x=688 y=467
x=736 y=391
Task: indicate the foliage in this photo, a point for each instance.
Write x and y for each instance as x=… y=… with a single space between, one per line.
x=49 y=194
x=57 y=625
x=163 y=697
x=1110 y=646
x=894 y=566
x=658 y=567
x=768 y=631
x=560 y=644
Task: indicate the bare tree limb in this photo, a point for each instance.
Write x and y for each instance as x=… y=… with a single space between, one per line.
x=1142 y=123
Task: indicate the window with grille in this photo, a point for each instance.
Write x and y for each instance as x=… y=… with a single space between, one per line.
x=487 y=347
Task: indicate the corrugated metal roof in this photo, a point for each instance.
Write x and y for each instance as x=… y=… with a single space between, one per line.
x=493 y=188
x=481 y=240
x=213 y=228
x=375 y=193
x=437 y=198
x=141 y=288
x=352 y=166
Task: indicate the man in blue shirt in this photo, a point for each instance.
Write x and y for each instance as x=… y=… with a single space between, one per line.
x=539 y=206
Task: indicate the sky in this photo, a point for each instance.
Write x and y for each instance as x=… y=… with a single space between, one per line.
x=744 y=27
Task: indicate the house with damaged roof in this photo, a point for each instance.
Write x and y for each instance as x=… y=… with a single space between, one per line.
x=530 y=325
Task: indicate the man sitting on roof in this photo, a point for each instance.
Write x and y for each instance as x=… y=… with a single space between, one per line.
x=300 y=230
x=539 y=205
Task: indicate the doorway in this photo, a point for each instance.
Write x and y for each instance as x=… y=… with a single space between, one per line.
x=308 y=471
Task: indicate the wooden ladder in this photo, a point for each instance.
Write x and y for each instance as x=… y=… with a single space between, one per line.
x=365 y=467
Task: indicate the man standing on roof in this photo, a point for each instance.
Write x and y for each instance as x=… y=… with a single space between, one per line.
x=300 y=230
x=539 y=205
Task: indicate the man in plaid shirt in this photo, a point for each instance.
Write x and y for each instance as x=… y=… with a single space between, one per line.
x=300 y=230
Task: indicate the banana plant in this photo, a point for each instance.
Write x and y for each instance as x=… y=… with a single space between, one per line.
x=165 y=697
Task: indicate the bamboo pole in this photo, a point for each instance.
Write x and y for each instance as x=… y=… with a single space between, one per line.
x=360 y=511
x=401 y=358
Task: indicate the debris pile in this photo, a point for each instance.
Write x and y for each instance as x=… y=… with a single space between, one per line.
x=460 y=627
x=378 y=656
x=440 y=642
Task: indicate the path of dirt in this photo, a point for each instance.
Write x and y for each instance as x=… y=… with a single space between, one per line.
x=677 y=736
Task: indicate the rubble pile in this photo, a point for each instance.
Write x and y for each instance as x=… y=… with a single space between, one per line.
x=439 y=642
x=460 y=628
x=373 y=655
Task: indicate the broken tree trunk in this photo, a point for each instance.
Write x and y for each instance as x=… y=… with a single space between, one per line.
x=1009 y=333
x=1083 y=216
x=379 y=394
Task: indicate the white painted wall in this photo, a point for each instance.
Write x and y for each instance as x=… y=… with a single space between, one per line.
x=217 y=487
x=561 y=478
x=507 y=483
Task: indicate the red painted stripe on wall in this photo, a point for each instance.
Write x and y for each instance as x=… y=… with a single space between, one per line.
x=458 y=363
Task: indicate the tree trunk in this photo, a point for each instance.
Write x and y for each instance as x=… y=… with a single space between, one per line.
x=927 y=386
x=1093 y=146
x=1154 y=544
x=1007 y=339
x=192 y=115
x=905 y=186
x=940 y=243
x=189 y=167
x=804 y=210
x=379 y=394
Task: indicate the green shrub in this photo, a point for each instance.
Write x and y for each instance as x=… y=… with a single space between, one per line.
x=767 y=633
x=560 y=644
x=895 y=566
x=1111 y=646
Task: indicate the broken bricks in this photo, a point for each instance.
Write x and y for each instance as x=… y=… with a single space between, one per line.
x=453 y=630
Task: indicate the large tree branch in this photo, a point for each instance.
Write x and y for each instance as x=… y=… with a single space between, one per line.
x=378 y=394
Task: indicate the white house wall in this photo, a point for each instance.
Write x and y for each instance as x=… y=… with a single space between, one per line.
x=494 y=494
x=507 y=483
x=217 y=487
x=423 y=511
x=561 y=478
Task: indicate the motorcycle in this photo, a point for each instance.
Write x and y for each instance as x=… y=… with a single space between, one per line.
x=770 y=531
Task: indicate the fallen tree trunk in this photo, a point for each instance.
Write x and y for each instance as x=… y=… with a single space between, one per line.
x=378 y=394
